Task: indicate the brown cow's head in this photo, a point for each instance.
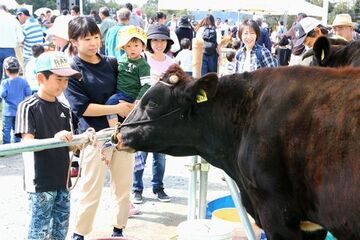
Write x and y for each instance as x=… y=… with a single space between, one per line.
x=334 y=52
x=166 y=112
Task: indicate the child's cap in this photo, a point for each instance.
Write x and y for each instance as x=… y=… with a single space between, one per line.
x=55 y=62
x=11 y=63
x=125 y=34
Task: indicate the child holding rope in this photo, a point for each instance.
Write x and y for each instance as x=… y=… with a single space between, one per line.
x=46 y=172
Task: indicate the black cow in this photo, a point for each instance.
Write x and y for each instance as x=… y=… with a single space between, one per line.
x=335 y=53
x=289 y=137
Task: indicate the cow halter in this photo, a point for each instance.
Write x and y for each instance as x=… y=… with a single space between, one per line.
x=141 y=122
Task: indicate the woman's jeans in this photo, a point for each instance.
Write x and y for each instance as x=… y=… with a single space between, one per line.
x=209 y=64
x=158 y=169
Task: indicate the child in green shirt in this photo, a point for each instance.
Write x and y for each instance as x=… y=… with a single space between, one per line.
x=133 y=75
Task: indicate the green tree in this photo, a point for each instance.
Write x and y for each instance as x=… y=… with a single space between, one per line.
x=39 y=3
x=150 y=8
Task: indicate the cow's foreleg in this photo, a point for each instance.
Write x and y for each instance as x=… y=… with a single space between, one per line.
x=279 y=218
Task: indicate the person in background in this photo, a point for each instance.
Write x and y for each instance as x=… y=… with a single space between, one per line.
x=65 y=12
x=87 y=101
x=46 y=172
x=30 y=74
x=94 y=14
x=13 y=90
x=252 y=56
x=75 y=11
x=158 y=43
x=343 y=26
x=32 y=31
x=134 y=19
x=47 y=23
x=236 y=44
x=264 y=39
x=292 y=35
x=106 y=23
x=160 y=18
x=11 y=36
x=172 y=24
x=218 y=24
x=212 y=38
x=184 y=57
x=281 y=30
x=59 y=34
x=230 y=65
x=112 y=39
x=309 y=29
x=184 y=30
x=225 y=27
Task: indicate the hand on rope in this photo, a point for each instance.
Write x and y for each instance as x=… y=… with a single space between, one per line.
x=114 y=139
x=90 y=134
x=66 y=136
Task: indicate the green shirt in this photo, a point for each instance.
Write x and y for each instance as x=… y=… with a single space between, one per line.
x=134 y=77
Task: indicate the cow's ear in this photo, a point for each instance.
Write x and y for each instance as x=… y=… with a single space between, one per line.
x=205 y=87
x=322 y=50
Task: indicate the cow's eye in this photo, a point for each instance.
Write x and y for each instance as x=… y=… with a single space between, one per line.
x=152 y=104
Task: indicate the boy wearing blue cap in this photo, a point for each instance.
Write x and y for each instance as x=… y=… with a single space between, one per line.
x=46 y=172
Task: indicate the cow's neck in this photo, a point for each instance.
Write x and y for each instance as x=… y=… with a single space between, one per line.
x=222 y=123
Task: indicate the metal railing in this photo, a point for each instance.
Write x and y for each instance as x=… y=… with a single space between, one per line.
x=48 y=143
x=84 y=138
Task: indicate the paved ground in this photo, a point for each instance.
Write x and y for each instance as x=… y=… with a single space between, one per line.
x=158 y=220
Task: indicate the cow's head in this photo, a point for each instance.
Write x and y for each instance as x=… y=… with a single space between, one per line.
x=166 y=112
x=324 y=51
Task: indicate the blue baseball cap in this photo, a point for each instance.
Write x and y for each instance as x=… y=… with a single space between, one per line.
x=55 y=62
x=22 y=10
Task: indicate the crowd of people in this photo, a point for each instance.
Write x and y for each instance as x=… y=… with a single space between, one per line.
x=62 y=75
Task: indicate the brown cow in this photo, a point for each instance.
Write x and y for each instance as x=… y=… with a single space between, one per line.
x=329 y=52
x=289 y=137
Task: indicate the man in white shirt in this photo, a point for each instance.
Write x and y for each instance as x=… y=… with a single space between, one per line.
x=11 y=36
x=32 y=32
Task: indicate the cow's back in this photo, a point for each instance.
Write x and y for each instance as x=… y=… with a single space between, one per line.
x=314 y=115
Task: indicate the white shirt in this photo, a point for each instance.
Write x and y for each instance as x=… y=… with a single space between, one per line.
x=157 y=68
x=247 y=64
x=184 y=58
x=176 y=46
x=11 y=31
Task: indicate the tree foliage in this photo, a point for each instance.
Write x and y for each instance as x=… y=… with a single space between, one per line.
x=39 y=3
x=340 y=7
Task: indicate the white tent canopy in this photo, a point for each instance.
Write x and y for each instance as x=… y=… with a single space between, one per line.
x=10 y=4
x=277 y=7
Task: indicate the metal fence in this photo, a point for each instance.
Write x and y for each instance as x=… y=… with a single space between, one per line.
x=48 y=143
